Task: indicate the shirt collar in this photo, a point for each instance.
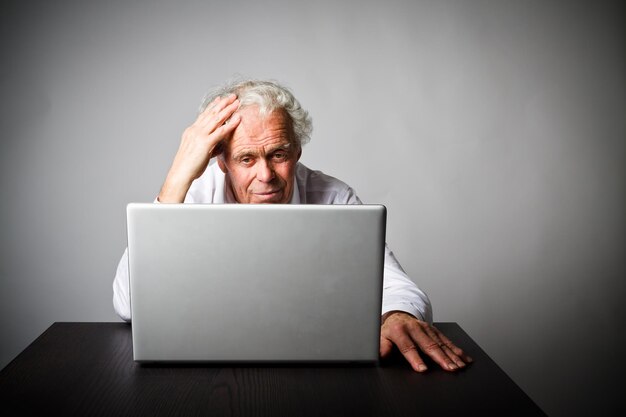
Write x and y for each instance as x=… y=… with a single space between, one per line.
x=295 y=192
x=229 y=197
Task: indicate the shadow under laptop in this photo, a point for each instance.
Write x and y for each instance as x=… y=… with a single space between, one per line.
x=259 y=364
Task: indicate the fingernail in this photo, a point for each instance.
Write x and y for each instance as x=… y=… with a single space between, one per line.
x=452 y=366
x=460 y=364
x=421 y=368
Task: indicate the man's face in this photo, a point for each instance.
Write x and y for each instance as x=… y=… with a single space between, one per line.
x=260 y=158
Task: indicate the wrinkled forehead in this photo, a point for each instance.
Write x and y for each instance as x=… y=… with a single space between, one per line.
x=257 y=127
x=259 y=134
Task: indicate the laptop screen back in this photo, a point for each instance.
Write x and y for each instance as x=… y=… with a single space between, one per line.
x=256 y=282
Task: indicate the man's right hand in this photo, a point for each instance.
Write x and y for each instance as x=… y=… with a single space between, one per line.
x=200 y=142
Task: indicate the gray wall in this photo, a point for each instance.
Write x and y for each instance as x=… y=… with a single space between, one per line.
x=493 y=130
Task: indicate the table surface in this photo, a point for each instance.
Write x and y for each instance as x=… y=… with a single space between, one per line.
x=88 y=369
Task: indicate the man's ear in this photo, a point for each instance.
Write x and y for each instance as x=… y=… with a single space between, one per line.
x=222 y=164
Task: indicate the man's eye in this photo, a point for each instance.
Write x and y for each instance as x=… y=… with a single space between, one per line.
x=280 y=155
x=246 y=160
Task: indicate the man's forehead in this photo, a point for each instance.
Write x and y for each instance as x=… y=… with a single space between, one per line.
x=256 y=129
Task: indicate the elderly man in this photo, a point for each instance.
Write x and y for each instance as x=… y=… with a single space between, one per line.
x=254 y=131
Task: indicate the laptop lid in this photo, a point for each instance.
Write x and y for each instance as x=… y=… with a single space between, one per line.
x=256 y=283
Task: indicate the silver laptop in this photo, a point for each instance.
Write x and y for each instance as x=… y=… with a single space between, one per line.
x=256 y=283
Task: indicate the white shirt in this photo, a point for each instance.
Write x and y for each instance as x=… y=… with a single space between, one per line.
x=310 y=187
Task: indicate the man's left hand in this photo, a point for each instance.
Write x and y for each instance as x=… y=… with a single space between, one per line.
x=411 y=335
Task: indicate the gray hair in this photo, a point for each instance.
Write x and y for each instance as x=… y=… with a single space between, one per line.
x=268 y=96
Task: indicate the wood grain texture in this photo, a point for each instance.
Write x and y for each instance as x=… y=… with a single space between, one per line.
x=80 y=369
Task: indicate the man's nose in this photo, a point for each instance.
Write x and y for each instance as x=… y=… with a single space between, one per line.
x=265 y=171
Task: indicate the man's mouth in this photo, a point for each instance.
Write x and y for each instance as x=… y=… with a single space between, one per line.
x=267 y=195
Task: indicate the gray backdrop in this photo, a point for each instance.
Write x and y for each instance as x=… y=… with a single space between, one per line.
x=493 y=131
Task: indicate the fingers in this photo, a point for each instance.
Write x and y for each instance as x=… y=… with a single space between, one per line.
x=408 y=349
x=411 y=335
x=458 y=351
x=385 y=347
x=216 y=123
x=223 y=131
x=217 y=112
x=430 y=344
x=435 y=335
x=219 y=120
x=394 y=332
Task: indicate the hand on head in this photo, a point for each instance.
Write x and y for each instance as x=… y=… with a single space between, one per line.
x=200 y=142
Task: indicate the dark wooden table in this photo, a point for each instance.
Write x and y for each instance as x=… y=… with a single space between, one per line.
x=87 y=369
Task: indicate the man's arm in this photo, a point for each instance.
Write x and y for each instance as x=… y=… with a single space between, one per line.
x=407 y=323
x=400 y=293
x=200 y=142
x=407 y=317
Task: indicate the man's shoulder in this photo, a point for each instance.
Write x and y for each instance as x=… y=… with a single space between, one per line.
x=316 y=187
x=317 y=180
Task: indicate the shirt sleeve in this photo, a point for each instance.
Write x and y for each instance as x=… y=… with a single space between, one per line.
x=121 y=289
x=400 y=293
x=121 y=285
